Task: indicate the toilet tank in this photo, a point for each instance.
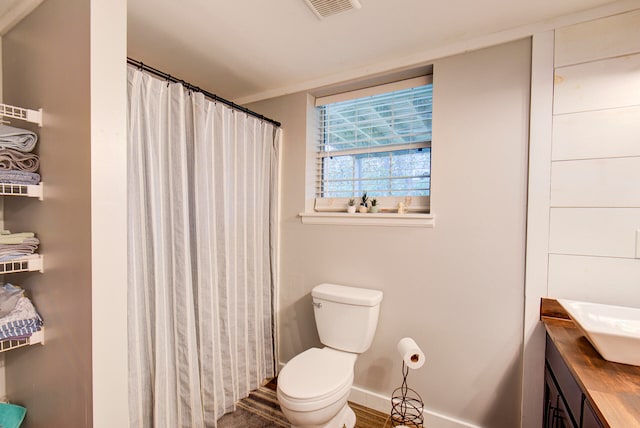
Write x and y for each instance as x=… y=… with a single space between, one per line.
x=346 y=317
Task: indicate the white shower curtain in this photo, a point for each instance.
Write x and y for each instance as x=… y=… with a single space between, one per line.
x=202 y=268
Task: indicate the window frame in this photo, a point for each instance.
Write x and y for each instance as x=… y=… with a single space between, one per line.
x=387 y=204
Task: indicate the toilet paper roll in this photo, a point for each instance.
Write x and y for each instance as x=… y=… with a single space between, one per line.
x=411 y=353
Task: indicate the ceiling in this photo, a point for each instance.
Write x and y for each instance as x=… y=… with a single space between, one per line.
x=249 y=49
x=244 y=48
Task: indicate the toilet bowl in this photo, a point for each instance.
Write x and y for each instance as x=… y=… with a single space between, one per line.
x=313 y=387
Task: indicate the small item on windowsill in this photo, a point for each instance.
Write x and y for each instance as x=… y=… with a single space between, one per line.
x=351 y=206
x=363 y=208
x=401 y=208
x=374 y=206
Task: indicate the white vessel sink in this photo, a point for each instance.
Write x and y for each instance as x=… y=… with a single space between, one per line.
x=613 y=330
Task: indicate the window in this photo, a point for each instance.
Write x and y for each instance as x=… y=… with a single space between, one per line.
x=376 y=140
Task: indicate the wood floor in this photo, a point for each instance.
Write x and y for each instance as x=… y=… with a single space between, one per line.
x=369 y=418
x=261 y=410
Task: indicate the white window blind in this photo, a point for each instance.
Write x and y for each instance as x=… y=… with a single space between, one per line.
x=379 y=144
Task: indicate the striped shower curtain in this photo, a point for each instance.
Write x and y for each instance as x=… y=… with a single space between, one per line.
x=202 y=269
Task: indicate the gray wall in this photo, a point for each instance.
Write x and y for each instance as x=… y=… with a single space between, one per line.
x=46 y=64
x=458 y=288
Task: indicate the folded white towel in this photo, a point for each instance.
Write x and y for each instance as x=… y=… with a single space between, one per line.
x=22 y=320
x=23 y=310
x=19 y=177
x=16 y=160
x=26 y=247
x=15 y=238
x=16 y=138
x=9 y=295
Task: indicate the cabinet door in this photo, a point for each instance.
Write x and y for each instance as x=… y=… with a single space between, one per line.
x=551 y=397
x=555 y=411
x=589 y=418
x=565 y=382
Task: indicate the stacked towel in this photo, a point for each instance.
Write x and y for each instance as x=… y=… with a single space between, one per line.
x=19 y=177
x=17 y=165
x=15 y=238
x=16 y=138
x=9 y=296
x=11 y=159
x=22 y=321
x=17 y=245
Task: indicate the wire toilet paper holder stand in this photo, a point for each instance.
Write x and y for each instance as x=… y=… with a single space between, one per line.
x=406 y=404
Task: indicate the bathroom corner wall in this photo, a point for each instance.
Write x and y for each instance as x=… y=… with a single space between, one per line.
x=594 y=236
x=3 y=391
x=584 y=201
x=1 y=70
x=458 y=288
x=46 y=64
x=69 y=57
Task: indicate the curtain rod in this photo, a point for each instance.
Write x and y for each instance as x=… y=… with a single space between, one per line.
x=191 y=87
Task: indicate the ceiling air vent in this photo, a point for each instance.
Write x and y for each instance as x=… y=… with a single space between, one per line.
x=324 y=8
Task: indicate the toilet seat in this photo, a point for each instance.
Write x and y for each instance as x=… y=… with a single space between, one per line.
x=315 y=379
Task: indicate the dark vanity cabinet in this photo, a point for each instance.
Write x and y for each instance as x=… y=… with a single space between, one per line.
x=565 y=405
x=555 y=410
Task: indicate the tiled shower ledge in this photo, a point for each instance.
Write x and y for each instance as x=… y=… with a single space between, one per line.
x=369 y=219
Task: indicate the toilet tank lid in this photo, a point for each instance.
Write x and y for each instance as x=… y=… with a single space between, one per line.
x=349 y=295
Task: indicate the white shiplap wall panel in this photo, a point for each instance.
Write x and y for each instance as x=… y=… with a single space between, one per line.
x=597 y=134
x=611 y=182
x=607 y=280
x=607 y=232
x=610 y=83
x=602 y=38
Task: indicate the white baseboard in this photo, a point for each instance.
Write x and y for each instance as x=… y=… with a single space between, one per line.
x=382 y=404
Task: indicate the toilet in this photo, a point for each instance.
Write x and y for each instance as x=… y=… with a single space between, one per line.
x=313 y=387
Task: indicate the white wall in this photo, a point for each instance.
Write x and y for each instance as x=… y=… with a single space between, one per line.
x=109 y=213
x=457 y=288
x=595 y=168
x=583 y=185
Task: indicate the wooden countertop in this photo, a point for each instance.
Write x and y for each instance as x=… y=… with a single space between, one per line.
x=612 y=388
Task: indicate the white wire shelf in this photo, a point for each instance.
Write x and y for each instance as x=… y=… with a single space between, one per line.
x=33 y=116
x=25 y=265
x=35 y=338
x=30 y=190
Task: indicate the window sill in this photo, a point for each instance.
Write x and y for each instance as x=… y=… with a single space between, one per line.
x=369 y=219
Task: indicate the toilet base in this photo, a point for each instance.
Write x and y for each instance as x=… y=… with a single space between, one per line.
x=344 y=419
